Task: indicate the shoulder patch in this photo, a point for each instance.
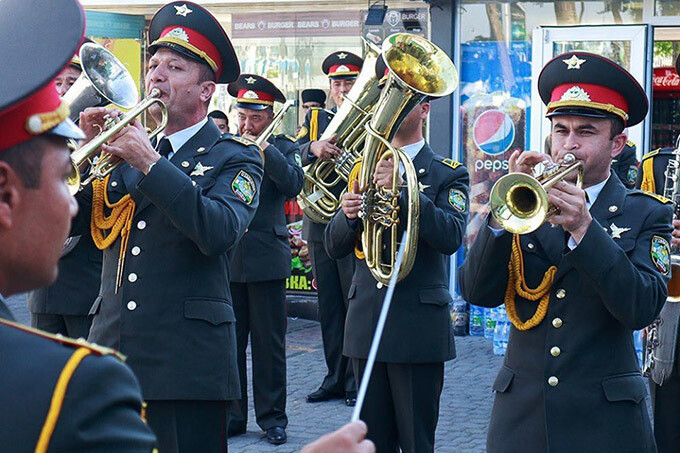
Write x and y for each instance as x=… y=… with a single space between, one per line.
x=66 y=341
x=244 y=187
x=240 y=140
x=660 y=252
x=629 y=143
x=458 y=200
x=451 y=163
x=657 y=197
x=289 y=137
x=651 y=154
x=302 y=132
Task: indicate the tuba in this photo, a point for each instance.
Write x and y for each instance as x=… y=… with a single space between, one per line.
x=325 y=181
x=660 y=337
x=276 y=121
x=519 y=202
x=417 y=70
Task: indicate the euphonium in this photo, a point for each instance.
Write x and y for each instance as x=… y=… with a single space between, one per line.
x=519 y=202
x=326 y=181
x=106 y=163
x=417 y=69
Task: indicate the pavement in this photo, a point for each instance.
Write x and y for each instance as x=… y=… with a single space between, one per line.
x=465 y=403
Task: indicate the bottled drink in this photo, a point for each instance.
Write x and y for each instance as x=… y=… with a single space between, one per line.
x=476 y=321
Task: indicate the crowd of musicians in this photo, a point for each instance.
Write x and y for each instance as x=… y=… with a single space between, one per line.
x=147 y=285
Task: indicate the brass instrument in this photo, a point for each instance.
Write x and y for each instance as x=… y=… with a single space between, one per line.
x=519 y=202
x=417 y=69
x=326 y=180
x=104 y=80
x=276 y=121
x=106 y=163
x=660 y=337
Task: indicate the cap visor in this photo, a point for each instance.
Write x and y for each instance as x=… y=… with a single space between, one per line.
x=251 y=106
x=67 y=129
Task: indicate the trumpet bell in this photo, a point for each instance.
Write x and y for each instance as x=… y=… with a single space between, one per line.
x=104 y=80
x=519 y=203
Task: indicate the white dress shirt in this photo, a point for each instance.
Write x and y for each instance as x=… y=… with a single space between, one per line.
x=179 y=138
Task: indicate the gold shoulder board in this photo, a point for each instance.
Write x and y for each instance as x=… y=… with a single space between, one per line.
x=629 y=143
x=451 y=163
x=290 y=137
x=240 y=140
x=651 y=154
x=66 y=341
x=657 y=197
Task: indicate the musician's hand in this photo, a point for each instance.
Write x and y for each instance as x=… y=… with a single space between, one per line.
x=351 y=438
x=249 y=136
x=325 y=149
x=675 y=240
x=132 y=144
x=573 y=214
x=382 y=177
x=524 y=161
x=351 y=202
x=92 y=120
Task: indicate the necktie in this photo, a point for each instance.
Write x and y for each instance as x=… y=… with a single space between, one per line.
x=164 y=147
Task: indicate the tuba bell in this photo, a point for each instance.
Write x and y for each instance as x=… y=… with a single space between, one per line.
x=417 y=70
x=325 y=181
x=519 y=202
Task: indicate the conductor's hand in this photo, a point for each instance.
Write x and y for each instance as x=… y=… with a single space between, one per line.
x=132 y=145
x=325 y=149
x=92 y=120
x=524 y=161
x=675 y=240
x=573 y=214
x=382 y=177
x=351 y=202
x=348 y=439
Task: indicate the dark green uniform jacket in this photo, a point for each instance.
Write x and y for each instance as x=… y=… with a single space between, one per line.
x=418 y=328
x=172 y=317
x=572 y=384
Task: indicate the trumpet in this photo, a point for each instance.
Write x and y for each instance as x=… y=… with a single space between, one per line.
x=519 y=202
x=278 y=118
x=106 y=162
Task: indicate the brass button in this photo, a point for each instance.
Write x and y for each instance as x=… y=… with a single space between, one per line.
x=193 y=183
x=421 y=171
x=141 y=224
x=200 y=150
x=131 y=305
x=557 y=323
x=185 y=164
x=132 y=277
x=246 y=230
x=555 y=351
x=136 y=250
x=553 y=381
x=561 y=293
x=379 y=285
x=114 y=183
x=613 y=208
x=530 y=245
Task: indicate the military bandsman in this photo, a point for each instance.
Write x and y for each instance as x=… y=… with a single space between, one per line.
x=575 y=292
x=333 y=277
x=168 y=221
x=57 y=394
x=261 y=263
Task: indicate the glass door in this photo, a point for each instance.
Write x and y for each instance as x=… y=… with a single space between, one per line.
x=627 y=45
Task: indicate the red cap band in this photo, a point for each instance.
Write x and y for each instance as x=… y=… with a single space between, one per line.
x=15 y=122
x=343 y=69
x=255 y=97
x=589 y=96
x=196 y=43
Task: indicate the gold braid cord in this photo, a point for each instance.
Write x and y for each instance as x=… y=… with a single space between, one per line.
x=517 y=285
x=118 y=223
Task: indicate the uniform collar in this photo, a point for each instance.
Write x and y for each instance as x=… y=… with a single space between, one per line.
x=179 y=138
x=413 y=149
x=594 y=191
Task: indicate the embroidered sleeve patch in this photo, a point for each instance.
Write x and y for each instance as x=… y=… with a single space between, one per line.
x=298 y=159
x=631 y=175
x=660 y=253
x=244 y=187
x=457 y=199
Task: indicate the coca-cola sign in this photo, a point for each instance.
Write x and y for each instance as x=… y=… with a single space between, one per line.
x=666 y=79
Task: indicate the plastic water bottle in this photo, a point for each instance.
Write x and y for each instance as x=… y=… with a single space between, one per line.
x=505 y=335
x=490 y=318
x=476 y=321
x=459 y=317
x=637 y=340
x=497 y=338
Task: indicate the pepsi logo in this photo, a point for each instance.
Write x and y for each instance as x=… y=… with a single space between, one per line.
x=493 y=132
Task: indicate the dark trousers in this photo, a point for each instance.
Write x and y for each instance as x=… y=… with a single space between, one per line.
x=333 y=279
x=401 y=408
x=666 y=403
x=189 y=426
x=73 y=326
x=261 y=313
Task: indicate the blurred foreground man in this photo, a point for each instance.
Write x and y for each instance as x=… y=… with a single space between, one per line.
x=58 y=395
x=575 y=292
